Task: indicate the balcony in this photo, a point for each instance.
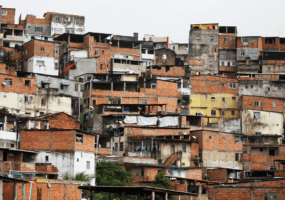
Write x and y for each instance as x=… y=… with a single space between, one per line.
x=14 y=38
x=128 y=66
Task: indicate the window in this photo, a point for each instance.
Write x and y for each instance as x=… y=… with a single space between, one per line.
x=96 y=53
x=223 y=113
x=244 y=40
x=256 y=103
x=42 y=113
x=244 y=151
x=69 y=30
x=213 y=112
x=265 y=76
x=211 y=38
x=274 y=104
x=234 y=98
x=38 y=29
x=57 y=30
x=57 y=19
x=77 y=159
x=213 y=83
x=42 y=49
x=215 y=50
x=199 y=61
x=87 y=164
x=257 y=133
x=116 y=146
x=43 y=102
x=251 y=86
x=144 y=101
x=242 y=53
x=210 y=137
x=26 y=99
x=260 y=86
x=40 y=63
x=8 y=82
x=79 y=138
x=27 y=83
x=45 y=85
x=256 y=115
x=46 y=158
x=245 y=140
x=179 y=102
x=4 y=12
x=236 y=139
x=233 y=85
x=173 y=48
x=121 y=146
x=210 y=62
x=184 y=148
x=233 y=112
x=268 y=89
x=103 y=51
x=164 y=57
x=213 y=98
x=271 y=152
x=11 y=53
x=226 y=39
x=101 y=66
x=259 y=76
x=272 y=167
x=198 y=37
x=63 y=87
x=223 y=99
x=246 y=86
x=233 y=63
x=12 y=145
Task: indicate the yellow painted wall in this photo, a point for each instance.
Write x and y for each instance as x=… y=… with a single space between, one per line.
x=203 y=103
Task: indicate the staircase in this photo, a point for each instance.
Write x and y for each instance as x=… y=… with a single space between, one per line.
x=171 y=159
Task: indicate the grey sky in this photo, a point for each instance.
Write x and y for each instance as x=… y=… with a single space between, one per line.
x=164 y=17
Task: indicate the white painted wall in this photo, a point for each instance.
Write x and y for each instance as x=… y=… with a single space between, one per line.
x=63 y=161
x=78 y=29
x=78 y=54
x=7 y=135
x=14 y=101
x=48 y=68
x=81 y=164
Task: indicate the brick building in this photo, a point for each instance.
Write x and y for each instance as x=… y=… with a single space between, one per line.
x=71 y=151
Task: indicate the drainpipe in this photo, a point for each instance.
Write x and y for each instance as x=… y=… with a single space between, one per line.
x=31 y=188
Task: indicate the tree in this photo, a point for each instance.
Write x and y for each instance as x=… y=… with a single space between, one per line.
x=4 y=109
x=112 y=174
x=160 y=181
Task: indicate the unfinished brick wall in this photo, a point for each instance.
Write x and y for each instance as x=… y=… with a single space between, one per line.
x=88 y=143
x=9 y=18
x=217 y=175
x=173 y=71
x=213 y=84
x=61 y=120
x=40 y=190
x=35 y=140
x=247 y=45
x=271 y=47
x=231 y=43
x=265 y=104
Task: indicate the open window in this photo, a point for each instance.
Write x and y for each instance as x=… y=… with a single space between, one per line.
x=79 y=138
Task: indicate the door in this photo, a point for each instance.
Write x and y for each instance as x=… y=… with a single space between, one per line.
x=172 y=149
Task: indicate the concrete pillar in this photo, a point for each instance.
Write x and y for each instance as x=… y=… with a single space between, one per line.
x=1 y=189
x=166 y=196
x=5 y=123
x=47 y=125
x=39 y=125
x=133 y=146
x=124 y=88
x=23 y=191
x=15 y=191
x=153 y=195
x=112 y=88
x=29 y=127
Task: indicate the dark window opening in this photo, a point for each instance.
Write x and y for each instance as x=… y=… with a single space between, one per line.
x=270 y=40
x=121 y=146
x=43 y=102
x=79 y=138
x=282 y=40
x=5 y=155
x=27 y=83
x=46 y=158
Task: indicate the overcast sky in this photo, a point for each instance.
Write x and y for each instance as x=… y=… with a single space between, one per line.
x=164 y=17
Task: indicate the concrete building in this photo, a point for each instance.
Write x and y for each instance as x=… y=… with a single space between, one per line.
x=53 y=23
x=262 y=115
x=203 y=49
x=181 y=50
